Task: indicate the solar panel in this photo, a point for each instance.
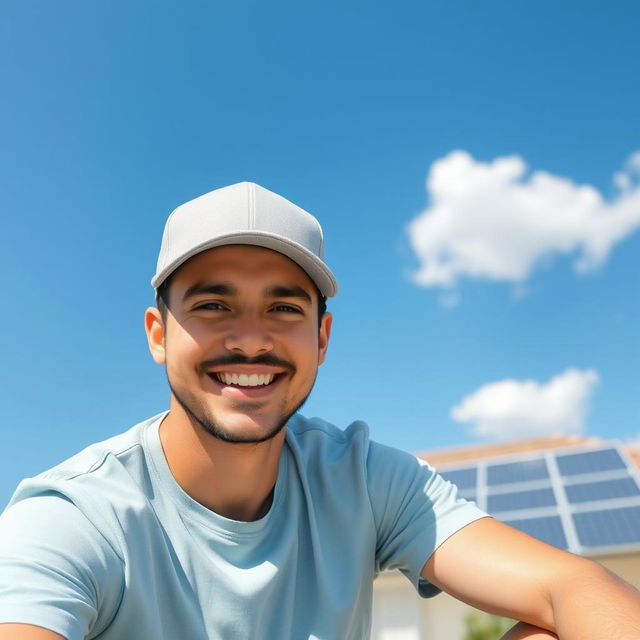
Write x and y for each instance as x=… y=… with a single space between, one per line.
x=521 y=500
x=598 y=495
x=608 y=526
x=462 y=478
x=548 y=529
x=521 y=471
x=589 y=462
x=603 y=490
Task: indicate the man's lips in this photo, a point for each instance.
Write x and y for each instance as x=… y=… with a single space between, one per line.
x=244 y=387
x=245 y=378
x=236 y=371
x=237 y=363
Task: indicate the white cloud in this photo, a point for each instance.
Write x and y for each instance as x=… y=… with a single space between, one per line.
x=626 y=178
x=496 y=221
x=523 y=408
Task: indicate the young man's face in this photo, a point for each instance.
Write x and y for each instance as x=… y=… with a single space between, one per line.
x=241 y=342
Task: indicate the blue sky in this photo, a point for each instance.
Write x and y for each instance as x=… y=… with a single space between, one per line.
x=115 y=113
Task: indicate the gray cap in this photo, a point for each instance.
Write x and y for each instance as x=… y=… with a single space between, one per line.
x=244 y=213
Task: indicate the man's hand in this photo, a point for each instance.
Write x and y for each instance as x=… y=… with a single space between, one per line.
x=498 y=569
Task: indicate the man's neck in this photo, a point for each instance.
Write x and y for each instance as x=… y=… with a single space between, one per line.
x=234 y=480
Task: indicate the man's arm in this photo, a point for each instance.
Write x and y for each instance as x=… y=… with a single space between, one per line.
x=498 y=569
x=56 y=571
x=524 y=631
x=27 y=632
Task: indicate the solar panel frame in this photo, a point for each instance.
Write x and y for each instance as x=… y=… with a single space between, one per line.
x=614 y=474
x=614 y=503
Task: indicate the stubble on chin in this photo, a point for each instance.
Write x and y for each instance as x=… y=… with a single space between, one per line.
x=201 y=418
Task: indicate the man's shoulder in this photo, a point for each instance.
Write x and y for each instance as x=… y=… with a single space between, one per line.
x=317 y=430
x=93 y=457
x=92 y=474
x=319 y=441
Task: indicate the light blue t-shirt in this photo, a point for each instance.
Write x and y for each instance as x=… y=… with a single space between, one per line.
x=107 y=544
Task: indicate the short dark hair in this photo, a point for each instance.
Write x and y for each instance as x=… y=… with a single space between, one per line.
x=162 y=299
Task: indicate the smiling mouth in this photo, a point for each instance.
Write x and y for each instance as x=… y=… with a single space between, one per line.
x=244 y=379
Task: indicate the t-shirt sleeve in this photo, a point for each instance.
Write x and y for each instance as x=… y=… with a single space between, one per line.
x=415 y=510
x=56 y=570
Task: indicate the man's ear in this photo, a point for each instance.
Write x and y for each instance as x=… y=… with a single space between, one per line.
x=324 y=335
x=154 y=328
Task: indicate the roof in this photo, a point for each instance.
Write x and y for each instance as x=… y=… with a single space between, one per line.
x=577 y=493
x=454 y=456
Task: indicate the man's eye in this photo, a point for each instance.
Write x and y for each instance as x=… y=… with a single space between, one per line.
x=286 y=308
x=209 y=306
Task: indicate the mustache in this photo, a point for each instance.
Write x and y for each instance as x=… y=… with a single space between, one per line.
x=266 y=359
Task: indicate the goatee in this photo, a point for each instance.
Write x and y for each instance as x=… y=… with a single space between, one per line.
x=198 y=417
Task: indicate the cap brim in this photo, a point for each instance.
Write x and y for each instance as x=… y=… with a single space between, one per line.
x=308 y=262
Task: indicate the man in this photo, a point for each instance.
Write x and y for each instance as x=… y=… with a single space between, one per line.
x=230 y=515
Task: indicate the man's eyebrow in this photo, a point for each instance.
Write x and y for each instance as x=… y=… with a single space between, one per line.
x=293 y=291
x=211 y=288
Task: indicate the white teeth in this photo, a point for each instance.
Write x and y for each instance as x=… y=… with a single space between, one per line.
x=244 y=380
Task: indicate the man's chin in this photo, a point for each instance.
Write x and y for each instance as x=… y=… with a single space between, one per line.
x=241 y=432
x=233 y=426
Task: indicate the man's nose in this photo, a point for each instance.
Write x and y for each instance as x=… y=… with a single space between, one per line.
x=249 y=336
